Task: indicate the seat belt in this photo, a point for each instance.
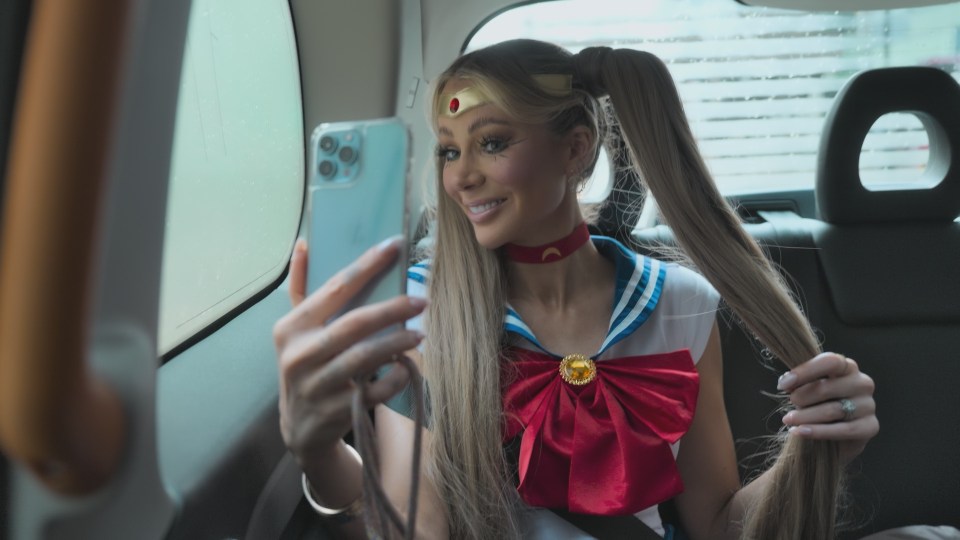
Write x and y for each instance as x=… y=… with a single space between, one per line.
x=277 y=501
x=627 y=527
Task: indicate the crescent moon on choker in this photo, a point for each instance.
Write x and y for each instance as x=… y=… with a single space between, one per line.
x=550 y=251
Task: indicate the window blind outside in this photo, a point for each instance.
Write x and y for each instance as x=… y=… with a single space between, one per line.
x=757 y=83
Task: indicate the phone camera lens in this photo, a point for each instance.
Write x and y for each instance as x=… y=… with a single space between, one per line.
x=328 y=144
x=327 y=168
x=348 y=154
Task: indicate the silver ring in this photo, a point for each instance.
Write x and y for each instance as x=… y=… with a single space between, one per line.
x=848 y=407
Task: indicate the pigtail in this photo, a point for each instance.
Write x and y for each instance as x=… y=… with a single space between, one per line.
x=461 y=363
x=802 y=500
x=464 y=323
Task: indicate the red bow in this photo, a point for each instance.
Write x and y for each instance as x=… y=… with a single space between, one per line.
x=604 y=447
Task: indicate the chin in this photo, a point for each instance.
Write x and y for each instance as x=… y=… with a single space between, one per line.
x=489 y=239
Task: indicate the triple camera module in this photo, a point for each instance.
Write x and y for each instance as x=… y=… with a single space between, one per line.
x=338 y=157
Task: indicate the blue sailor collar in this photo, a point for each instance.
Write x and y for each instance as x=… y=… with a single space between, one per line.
x=639 y=283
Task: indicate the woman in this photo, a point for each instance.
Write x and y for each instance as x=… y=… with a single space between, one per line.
x=514 y=294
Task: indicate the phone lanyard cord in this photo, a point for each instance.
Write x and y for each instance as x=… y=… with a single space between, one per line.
x=381 y=518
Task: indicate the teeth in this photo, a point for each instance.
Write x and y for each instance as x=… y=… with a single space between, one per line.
x=485 y=207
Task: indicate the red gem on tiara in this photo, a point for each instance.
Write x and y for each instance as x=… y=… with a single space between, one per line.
x=454 y=105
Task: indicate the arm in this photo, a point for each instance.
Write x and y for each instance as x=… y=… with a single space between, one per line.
x=713 y=504
x=317 y=361
x=707 y=461
x=395 y=437
x=395 y=444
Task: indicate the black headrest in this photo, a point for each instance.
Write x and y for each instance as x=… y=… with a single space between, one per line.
x=934 y=97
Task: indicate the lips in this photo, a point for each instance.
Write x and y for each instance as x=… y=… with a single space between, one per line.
x=482 y=210
x=485 y=206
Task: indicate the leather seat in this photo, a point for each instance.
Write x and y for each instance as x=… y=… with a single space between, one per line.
x=877 y=275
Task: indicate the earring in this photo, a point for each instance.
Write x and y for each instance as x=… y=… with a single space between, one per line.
x=572 y=178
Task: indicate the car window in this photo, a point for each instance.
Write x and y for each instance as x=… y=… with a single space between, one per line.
x=758 y=82
x=236 y=177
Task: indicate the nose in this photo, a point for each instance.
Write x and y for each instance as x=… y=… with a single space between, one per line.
x=464 y=174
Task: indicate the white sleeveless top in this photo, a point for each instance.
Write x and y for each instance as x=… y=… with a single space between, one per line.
x=658 y=308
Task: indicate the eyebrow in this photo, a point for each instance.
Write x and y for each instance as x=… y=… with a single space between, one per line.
x=477 y=124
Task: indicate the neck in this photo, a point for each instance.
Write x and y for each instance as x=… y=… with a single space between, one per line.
x=549 y=252
x=559 y=284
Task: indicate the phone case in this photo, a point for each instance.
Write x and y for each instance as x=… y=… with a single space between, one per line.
x=357 y=198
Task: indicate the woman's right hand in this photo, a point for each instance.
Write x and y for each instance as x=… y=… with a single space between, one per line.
x=318 y=359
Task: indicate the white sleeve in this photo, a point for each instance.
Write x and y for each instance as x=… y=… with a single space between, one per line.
x=682 y=319
x=689 y=303
x=417 y=290
x=417 y=287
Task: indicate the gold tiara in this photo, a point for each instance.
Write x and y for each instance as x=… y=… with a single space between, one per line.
x=470 y=97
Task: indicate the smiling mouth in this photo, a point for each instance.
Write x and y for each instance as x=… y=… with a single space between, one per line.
x=481 y=208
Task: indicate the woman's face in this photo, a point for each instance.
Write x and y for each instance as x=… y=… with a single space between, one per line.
x=507 y=177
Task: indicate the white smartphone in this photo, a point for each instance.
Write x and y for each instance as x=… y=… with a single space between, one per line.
x=357 y=197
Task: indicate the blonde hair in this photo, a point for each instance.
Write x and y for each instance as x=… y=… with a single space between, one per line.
x=462 y=356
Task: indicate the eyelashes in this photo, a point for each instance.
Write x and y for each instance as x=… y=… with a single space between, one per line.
x=446 y=154
x=489 y=145
x=494 y=145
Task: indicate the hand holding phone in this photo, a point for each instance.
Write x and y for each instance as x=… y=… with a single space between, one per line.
x=357 y=198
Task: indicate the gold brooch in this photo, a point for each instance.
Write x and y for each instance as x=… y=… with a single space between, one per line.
x=577 y=369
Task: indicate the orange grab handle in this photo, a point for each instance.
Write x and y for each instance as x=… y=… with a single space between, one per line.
x=56 y=417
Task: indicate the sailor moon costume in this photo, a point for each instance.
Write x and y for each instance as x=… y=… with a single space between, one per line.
x=599 y=433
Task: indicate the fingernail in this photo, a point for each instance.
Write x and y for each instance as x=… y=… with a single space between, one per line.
x=787 y=417
x=389 y=242
x=418 y=302
x=418 y=335
x=786 y=380
x=800 y=430
x=300 y=246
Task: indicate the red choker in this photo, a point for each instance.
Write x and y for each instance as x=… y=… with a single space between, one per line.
x=552 y=252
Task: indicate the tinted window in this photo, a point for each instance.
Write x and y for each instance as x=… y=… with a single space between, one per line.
x=237 y=173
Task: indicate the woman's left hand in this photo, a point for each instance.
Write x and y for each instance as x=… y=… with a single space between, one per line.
x=834 y=401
